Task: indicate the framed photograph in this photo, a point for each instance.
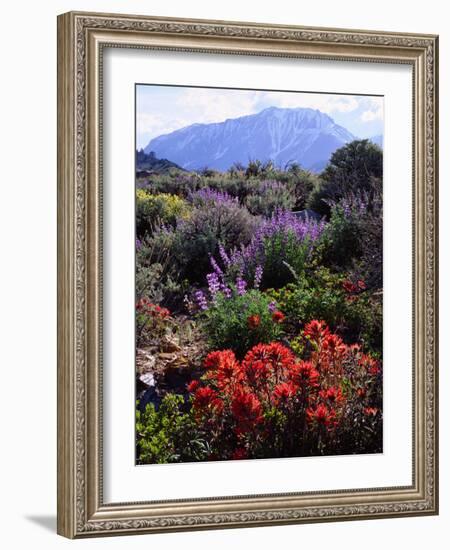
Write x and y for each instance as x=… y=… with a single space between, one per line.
x=247 y=276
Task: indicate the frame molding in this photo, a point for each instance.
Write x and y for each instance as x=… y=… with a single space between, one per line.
x=81 y=37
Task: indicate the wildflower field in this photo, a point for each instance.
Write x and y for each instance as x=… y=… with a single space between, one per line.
x=259 y=310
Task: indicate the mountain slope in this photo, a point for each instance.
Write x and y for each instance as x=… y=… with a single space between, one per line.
x=306 y=136
x=147 y=162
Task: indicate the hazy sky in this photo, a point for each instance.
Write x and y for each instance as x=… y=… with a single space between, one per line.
x=163 y=109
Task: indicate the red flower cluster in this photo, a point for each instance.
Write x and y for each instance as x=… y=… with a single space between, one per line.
x=234 y=401
x=146 y=307
x=253 y=321
x=321 y=416
x=278 y=317
x=206 y=400
x=247 y=411
x=353 y=288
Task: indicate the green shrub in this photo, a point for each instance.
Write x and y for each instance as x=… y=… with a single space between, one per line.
x=156 y=275
x=355 y=168
x=196 y=238
x=240 y=321
x=356 y=314
x=340 y=243
x=168 y=434
x=268 y=197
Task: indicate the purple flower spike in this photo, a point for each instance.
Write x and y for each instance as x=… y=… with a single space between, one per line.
x=258 y=276
x=241 y=286
x=213 y=284
x=201 y=300
x=226 y=291
x=217 y=270
x=225 y=258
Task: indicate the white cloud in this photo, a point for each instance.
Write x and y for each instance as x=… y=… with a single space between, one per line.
x=374 y=112
x=209 y=105
x=326 y=103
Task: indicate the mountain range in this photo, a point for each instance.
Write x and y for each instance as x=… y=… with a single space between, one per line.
x=282 y=135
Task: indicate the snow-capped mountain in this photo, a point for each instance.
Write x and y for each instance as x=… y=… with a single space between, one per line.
x=306 y=136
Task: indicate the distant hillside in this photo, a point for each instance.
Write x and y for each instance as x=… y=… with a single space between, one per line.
x=149 y=163
x=306 y=136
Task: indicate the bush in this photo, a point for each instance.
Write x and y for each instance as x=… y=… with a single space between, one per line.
x=208 y=197
x=355 y=168
x=239 y=319
x=346 y=306
x=168 y=434
x=156 y=278
x=196 y=238
x=271 y=404
x=268 y=197
x=340 y=242
x=152 y=320
x=354 y=237
x=152 y=210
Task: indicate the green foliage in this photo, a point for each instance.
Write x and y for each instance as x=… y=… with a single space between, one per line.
x=268 y=197
x=286 y=258
x=168 y=434
x=240 y=322
x=156 y=277
x=340 y=243
x=355 y=168
x=321 y=295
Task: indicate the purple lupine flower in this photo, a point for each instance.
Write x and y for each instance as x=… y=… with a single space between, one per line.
x=213 y=284
x=200 y=298
x=225 y=290
x=272 y=306
x=225 y=258
x=258 y=276
x=217 y=270
x=241 y=286
x=138 y=244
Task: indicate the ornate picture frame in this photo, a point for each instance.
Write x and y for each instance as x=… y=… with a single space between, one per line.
x=82 y=38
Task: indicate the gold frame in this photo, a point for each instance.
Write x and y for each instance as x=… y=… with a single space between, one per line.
x=81 y=38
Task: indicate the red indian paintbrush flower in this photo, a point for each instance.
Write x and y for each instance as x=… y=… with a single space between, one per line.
x=193 y=385
x=334 y=345
x=247 y=411
x=304 y=375
x=223 y=368
x=361 y=392
x=207 y=400
x=370 y=411
x=278 y=317
x=316 y=330
x=283 y=392
x=253 y=321
x=333 y=396
x=370 y=364
x=321 y=416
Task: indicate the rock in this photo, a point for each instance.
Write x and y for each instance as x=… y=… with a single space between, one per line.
x=169 y=345
x=307 y=214
x=148 y=379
